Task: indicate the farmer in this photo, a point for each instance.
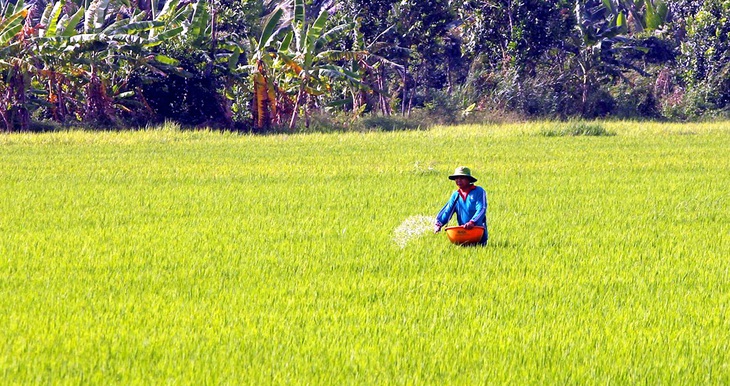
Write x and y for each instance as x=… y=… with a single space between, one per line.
x=469 y=203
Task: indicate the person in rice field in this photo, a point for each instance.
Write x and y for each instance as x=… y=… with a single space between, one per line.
x=469 y=202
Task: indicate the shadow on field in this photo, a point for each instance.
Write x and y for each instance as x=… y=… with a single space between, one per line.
x=491 y=244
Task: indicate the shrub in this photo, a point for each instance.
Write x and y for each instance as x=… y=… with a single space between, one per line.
x=635 y=99
x=390 y=123
x=577 y=128
x=703 y=61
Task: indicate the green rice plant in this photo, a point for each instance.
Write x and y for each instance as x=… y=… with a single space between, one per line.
x=193 y=257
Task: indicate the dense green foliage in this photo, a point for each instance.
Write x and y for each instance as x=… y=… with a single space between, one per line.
x=706 y=57
x=259 y=65
x=169 y=256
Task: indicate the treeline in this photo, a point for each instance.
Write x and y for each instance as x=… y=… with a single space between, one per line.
x=262 y=65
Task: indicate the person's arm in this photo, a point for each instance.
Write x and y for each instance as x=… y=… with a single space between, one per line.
x=480 y=206
x=445 y=214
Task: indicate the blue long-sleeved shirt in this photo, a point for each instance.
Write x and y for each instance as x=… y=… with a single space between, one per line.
x=473 y=208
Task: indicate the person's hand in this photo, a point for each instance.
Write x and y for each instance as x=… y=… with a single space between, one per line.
x=469 y=225
x=437 y=227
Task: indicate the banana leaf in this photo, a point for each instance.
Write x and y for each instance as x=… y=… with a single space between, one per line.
x=52 y=21
x=70 y=27
x=95 y=14
x=199 y=21
x=167 y=60
x=164 y=36
x=268 y=33
x=11 y=26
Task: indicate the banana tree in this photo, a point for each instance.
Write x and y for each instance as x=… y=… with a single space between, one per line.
x=638 y=15
x=95 y=49
x=55 y=69
x=266 y=94
x=601 y=36
x=116 y=48
x=311 y=65
x=373 y=68
x=14 y=67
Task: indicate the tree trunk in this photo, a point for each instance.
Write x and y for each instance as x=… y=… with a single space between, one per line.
x=449 y=88
x=410 y=97
x=306 y=110
x=584 y=95
x=55 y=96
x=295 y=112
x=99 y=105
x=405 y=91
x=19 y=111
x=382 y=100
x=213 y=40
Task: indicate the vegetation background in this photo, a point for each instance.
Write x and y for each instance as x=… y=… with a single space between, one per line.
x=293 y=65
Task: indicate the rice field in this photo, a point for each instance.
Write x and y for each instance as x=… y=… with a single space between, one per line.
x=195 y=257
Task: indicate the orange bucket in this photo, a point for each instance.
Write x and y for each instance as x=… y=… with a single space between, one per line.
x=462 y=236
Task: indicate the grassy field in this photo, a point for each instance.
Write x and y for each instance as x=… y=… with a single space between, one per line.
x=176 y=257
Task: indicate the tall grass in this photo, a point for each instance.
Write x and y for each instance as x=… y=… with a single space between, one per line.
x=166 y=256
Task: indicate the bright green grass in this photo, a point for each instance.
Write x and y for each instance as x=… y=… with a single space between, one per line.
x=198 y=257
